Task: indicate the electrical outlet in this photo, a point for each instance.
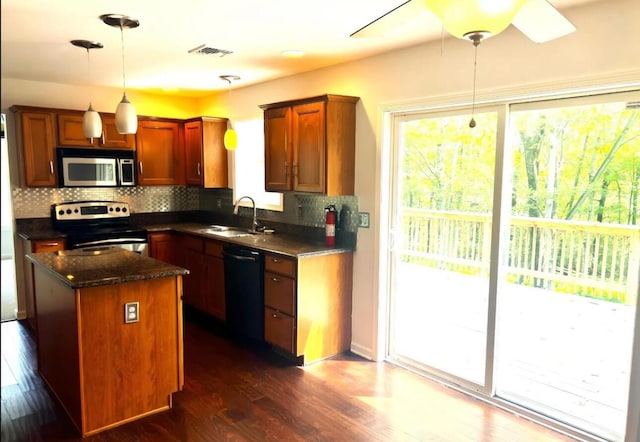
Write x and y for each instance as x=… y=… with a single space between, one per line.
x=364 y=219
x=131 y=312
x=219 y=203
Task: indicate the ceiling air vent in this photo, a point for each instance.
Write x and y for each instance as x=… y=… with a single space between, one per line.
x=206 y=50
x=633 y=105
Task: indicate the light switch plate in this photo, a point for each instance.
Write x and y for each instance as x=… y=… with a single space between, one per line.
x=363 y=219
x=131 y=312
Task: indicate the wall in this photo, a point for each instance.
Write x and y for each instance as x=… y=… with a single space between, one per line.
x=604 y=50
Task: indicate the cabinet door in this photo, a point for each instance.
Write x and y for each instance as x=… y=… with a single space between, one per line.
x=36 y=246
x=161 y=246
x=214 y=155
x=279 y=330
x=160 y=155
x=112 y=139
x=309 y=147
x=277 y=161
x=193 y=283
x=71 y=133
x=37 y=137
x=214 y=287
x=193 y=153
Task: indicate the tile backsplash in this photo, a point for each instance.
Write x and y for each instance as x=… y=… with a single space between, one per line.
x=299 y=209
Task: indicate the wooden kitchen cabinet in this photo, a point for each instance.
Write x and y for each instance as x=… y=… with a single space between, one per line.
x=310 y=145
x=36 y=246
x=205 y=155
x=213 y=286
x=203 y=287
x=160 y=153
x=161 y=246
x=35 y=132
x=308 y=304
x=71 y=133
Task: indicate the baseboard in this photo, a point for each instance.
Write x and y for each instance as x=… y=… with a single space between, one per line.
x=362 y=351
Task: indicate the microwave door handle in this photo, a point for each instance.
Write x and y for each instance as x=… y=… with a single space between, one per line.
x=51 y=167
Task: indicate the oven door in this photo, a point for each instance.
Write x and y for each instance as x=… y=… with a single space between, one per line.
x=137 y=245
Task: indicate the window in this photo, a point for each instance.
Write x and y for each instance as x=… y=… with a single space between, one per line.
x=248 y=166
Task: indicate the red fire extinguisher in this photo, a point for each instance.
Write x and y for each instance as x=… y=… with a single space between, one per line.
x=330 y=225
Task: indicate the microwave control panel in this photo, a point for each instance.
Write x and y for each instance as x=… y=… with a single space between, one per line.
x=87 y=210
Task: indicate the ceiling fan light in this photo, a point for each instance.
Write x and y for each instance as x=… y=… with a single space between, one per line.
x=126 y=118
x=463 y=17
x=230 y=139
x=91 y=123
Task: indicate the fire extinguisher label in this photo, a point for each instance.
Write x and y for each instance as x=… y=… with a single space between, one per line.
x=331 y=230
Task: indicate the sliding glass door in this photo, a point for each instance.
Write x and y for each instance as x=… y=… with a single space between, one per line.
x=514 y=255
x=569 y=289
x=442 y=204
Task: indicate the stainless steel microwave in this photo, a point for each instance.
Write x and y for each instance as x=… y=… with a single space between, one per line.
x=95 y=167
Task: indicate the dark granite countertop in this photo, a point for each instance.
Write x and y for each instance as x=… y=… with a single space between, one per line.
x=278 y=243
x=102 y=266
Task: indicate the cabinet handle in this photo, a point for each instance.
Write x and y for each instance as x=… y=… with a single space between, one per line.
x=198 y=169
x=275 y=260
x=102 y=137
x=286 y=170
x=295 y=169
x=275 y=279
x=141 y=169
x=274 y=315
x=49 y=244
x=51 y=167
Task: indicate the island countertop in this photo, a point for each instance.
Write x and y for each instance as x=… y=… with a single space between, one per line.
x=102 y=266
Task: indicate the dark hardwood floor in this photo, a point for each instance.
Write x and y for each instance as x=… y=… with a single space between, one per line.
x=237 y=391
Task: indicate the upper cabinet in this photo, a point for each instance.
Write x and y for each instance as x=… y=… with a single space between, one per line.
x=310 y=145
x=70 y=133
x=160 y=152
x=205 y=155
x=35 y=131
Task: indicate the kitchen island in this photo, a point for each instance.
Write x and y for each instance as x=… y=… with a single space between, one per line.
x=109 y=334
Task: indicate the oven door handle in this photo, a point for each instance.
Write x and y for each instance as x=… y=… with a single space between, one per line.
x=110 y=241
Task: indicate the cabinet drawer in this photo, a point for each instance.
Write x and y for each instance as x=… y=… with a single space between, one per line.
x=280 y=293
x=277 y=264
x=192 y=243
x=213 y=248
x=52 y=245
x=279 y=329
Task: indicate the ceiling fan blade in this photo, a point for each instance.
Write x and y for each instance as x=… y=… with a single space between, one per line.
x=541 y=22
x=392 y=21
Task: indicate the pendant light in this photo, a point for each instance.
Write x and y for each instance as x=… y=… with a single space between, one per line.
x=230 y=135
x=91 y=122
x=126 y=118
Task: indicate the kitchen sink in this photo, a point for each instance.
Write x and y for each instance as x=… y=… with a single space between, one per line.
x=226 y=231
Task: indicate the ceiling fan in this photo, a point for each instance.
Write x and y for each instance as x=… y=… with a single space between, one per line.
x=476 y=19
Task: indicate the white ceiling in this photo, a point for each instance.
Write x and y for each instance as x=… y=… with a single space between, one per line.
x=36 y=37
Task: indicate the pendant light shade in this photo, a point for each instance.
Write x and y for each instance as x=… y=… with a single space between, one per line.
x=91 y=122
x=230 y=135
x=126 y=118
x=461 y=18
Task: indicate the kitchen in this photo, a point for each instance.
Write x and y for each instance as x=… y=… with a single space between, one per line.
x=401 y=76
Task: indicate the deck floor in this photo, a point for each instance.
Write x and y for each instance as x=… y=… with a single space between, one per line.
x=563 y=355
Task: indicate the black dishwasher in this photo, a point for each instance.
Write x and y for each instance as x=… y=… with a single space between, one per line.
x=244 y=291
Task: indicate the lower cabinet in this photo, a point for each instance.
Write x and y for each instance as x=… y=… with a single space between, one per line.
x=308 y=304
x=36 y=246
x=161 y=247
x=203 y=287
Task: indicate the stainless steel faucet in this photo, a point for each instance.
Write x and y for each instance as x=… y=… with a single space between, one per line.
x=255 y=225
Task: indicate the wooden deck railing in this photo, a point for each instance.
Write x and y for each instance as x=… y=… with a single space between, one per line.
x=592 y=259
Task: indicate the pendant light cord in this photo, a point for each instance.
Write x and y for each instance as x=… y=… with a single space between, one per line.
x=124 y=87
x=472 y=122
x=89 y=77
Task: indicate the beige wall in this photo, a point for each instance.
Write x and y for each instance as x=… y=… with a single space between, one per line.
x=604 y=50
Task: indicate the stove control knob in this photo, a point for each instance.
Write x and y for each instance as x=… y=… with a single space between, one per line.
x=68 y=211
x=124 y=209
x=117 y=209
x=60 y=212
